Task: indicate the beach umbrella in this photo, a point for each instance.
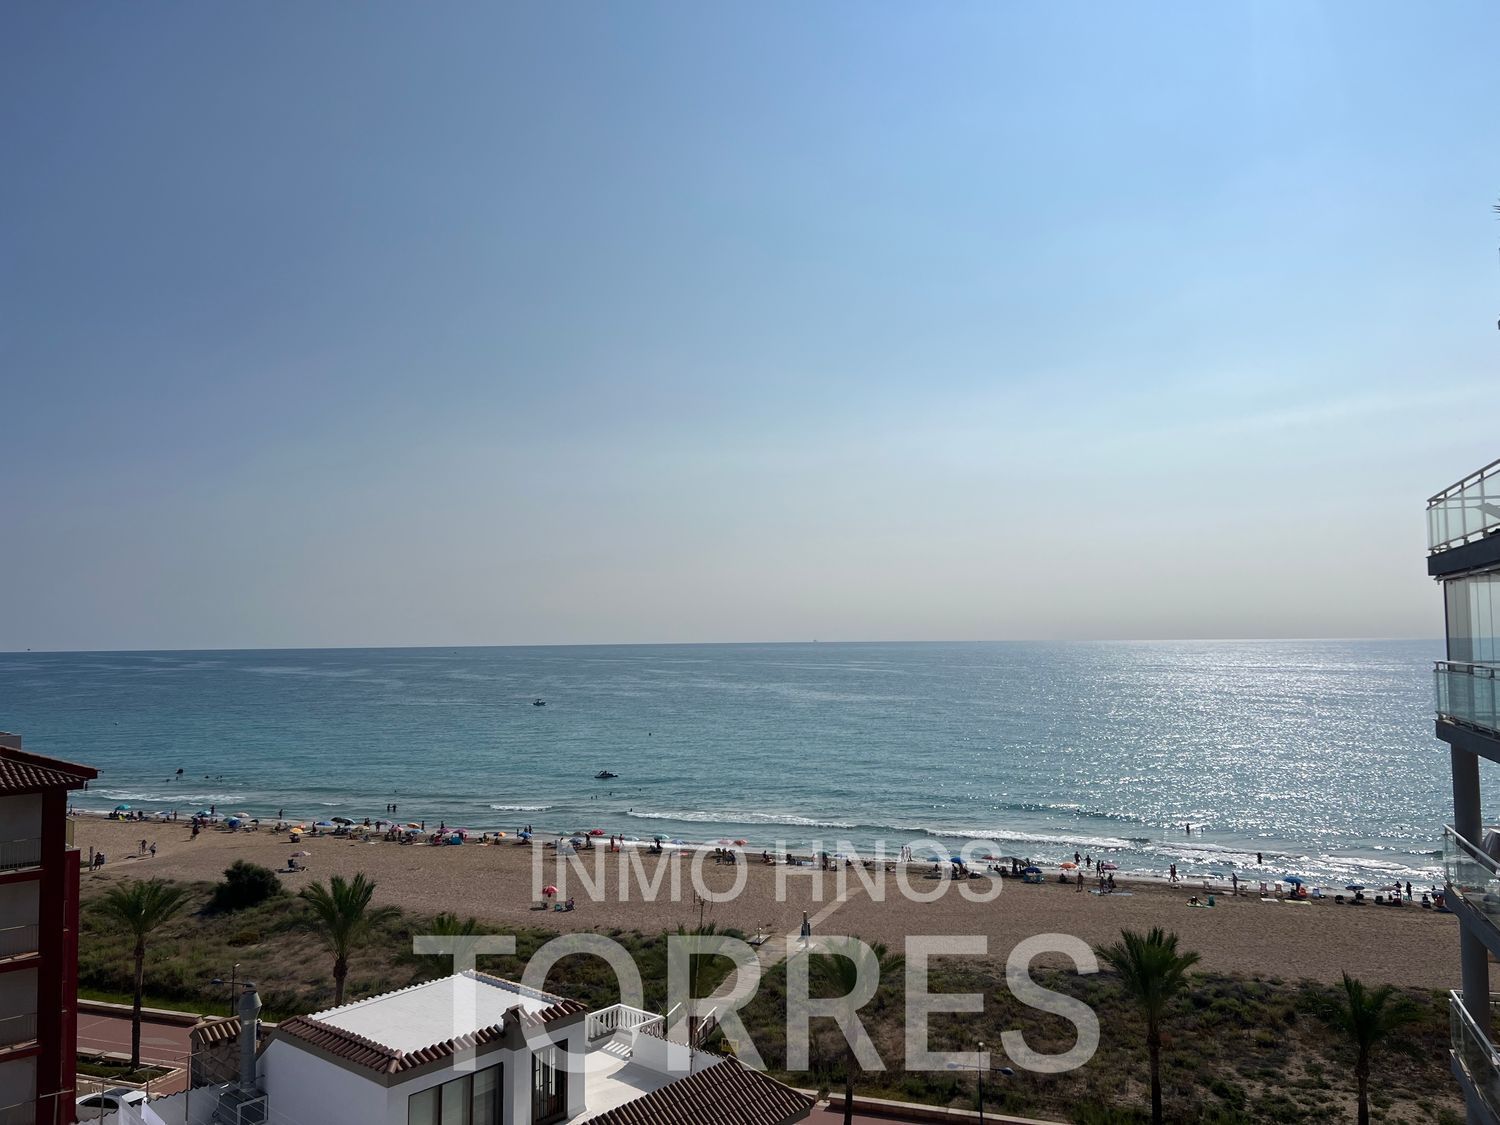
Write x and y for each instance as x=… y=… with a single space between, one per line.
x=739 y=843
x=1068 y=865
x=659 y=838
x=243 y=815
x=1298 y=879
x=523 y=835
x=1109 y=867
x=323 y=824
x=596 y=832
x=955 y=859
x=549 y=890
x=679 y=841
x=233 y=822
x=1031 y=870
x=1355 y=887
x=341 y=820
x=122 y=808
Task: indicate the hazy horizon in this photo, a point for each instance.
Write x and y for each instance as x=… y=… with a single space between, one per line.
x=668 y=324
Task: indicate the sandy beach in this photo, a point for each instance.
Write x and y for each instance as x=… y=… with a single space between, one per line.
x=1285 y=940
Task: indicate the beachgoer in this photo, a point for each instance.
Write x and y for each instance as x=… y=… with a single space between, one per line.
x=1408 y=891
x=1189 y=829
x=1080 y=881
x=153 y=849
x=1259 y=860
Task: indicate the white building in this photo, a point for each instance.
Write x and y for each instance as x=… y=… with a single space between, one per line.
x=472 y=1049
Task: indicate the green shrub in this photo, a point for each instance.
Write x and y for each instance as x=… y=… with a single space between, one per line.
x=245 y=884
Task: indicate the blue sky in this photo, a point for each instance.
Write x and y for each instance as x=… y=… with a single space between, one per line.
x=392 y=323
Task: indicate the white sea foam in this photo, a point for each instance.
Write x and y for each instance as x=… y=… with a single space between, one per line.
x=520 y=808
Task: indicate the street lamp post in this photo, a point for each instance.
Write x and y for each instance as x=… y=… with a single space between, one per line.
x=233 y=973
x=981 y=1082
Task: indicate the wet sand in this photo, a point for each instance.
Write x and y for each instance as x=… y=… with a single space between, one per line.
x=1285 y=940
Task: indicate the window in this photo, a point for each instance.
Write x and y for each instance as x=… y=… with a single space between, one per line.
x=549 y=1085
x=469 y=1099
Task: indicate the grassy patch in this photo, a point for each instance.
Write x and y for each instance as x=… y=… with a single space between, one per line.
x=1237 y=1050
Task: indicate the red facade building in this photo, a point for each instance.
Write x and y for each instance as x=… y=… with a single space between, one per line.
x=39 y=871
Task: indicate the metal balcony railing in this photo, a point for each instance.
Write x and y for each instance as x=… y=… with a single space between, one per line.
x=20 y=853
x=16 y=941
x=1474 y=1051
x=1465 y=510
x=1468 y=693
x=17 y=1029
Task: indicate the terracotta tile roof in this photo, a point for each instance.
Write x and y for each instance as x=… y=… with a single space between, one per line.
x=365 y=1052
x=23 y=772
x=222 y=1029
x=727 y=1093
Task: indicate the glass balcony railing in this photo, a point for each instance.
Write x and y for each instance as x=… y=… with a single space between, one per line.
x=1469 y=693
x=1475 y=1052
x=1465 y=510
x=1472 y=875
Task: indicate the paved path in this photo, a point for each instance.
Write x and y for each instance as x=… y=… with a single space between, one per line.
x=163 y=1044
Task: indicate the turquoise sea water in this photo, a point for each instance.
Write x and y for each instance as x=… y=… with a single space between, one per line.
x=1317 y=753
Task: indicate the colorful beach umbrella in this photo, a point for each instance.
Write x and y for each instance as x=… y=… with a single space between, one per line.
x=596 y=832
x=122 y=808
x=1109 y=867
x=548 y=891
x=1068 y=865
x=323 y=824
x=739 y=843
x=1298 y=879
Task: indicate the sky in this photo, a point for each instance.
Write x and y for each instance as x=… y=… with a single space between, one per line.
x=387 y=324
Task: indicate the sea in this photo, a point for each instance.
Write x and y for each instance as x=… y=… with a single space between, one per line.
x=1318 y=756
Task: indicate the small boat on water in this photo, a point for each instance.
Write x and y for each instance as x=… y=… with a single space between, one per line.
x=604 y=775
x=539 y=703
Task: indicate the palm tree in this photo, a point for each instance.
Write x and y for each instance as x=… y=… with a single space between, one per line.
x=1152 y=972
x=140 y=908
x=464 y=935
x=843 y=975
x=1368 y=1017
x=343 y=917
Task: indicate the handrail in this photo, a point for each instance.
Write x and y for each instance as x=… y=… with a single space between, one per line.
x=1468 y=667
x=1467 y=509
x=1475 y=851
x=1463 y=482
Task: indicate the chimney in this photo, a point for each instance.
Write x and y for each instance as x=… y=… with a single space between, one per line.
x=249 y=1026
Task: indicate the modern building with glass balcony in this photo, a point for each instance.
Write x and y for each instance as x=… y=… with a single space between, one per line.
x=1463 y=538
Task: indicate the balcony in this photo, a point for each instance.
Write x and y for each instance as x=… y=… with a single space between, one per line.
x=1469 y=693
x=20 y=853
x=1472 y=876
x=15 y=1030
x=18 y=941
x=1474 y=1058
x=1465 y=511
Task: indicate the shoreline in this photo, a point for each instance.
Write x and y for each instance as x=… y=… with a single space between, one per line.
x=1194 y=872
x=1242 y=934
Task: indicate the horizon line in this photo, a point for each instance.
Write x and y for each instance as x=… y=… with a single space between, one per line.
x=702 y=644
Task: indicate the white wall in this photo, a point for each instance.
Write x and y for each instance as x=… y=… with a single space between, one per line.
x=17 y=1081
x=19 y=903
x=21 y=817
x=302 y=1088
